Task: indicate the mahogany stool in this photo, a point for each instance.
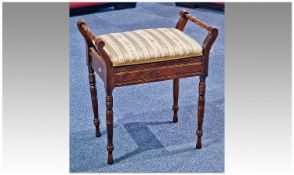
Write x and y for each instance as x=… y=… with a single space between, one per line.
x=143 y=56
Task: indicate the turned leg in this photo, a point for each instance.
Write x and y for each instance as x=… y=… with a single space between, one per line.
x=199 y=131
x=93 y=91
x=109 y=121
x=176 y=97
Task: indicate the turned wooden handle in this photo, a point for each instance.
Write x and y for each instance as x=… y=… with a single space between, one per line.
x=185 y=14
x=212 y=31
x=94 y=42
x=89 y=35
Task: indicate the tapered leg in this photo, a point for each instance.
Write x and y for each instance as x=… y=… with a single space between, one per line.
x=199 y=131
x=109 y=121
x=176 y=97
x=93 y=91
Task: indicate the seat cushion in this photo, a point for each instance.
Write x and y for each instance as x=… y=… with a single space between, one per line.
x=149 y=45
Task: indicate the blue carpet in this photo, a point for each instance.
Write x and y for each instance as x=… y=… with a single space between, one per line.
x=145 y=140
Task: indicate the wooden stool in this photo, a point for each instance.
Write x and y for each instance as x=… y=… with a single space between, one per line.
x=143 y=56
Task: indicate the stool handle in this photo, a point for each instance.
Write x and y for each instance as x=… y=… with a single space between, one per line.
x=89 y=36
x=209 y=39
x=93 y=41
x=212 y=31
x=186 y=15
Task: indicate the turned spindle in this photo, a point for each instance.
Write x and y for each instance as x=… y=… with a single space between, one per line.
x=109 y=122
x=201 y=102
x=175 y=97
x=94 y=99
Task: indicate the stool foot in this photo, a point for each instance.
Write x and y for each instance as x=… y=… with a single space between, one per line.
x=97 y=123
x=199 y=134
x=175 y=119
x=198 y=145
x=98 y=134
x=110 y=158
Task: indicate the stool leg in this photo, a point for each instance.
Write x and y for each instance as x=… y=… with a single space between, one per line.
x=109 y=121
x=176 y=97
x=201 y=102
x=93 y=91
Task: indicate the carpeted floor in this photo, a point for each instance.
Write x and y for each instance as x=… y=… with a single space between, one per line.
x=145 y=140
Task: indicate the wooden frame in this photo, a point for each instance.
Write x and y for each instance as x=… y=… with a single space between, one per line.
x=98 y=61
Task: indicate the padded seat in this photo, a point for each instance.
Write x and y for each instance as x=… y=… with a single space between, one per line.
x=149 y=45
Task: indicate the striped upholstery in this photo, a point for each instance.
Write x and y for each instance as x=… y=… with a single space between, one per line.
x=149 y=45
